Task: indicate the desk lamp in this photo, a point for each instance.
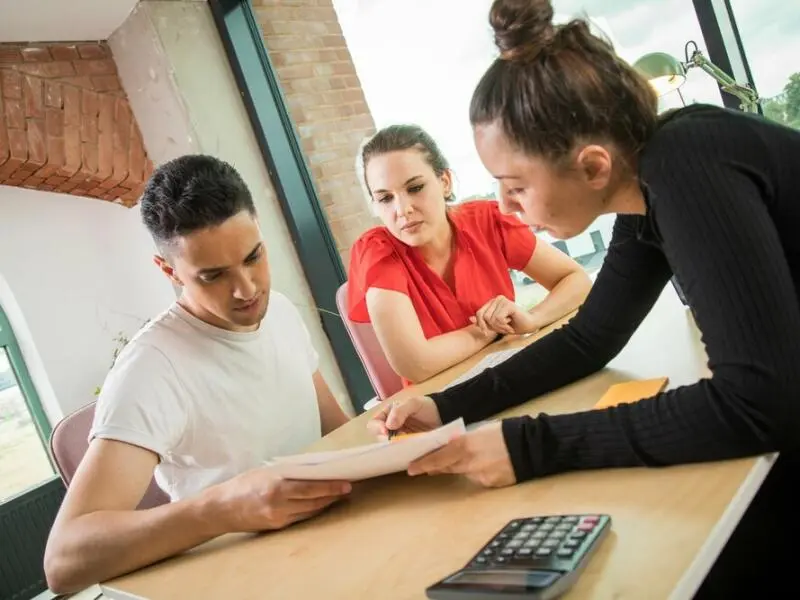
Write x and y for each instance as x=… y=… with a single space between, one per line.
x=666 y=73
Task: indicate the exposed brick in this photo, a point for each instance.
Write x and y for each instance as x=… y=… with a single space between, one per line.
x=83 y=82
x=72 y=106
x=10 y=54
x=93 y=50
x=54 y=121
x=15 y=114
x=122 y=126
x=34 y=97
x=47 y=69
x=106 y=83
x=90 y=158
x=73 y=153
x=104 y=66
x=36 y=54
x=65 y=52
x=12 y=83
x=37 y=143
x=52 y=94
x=18 y=145
x=89 y=129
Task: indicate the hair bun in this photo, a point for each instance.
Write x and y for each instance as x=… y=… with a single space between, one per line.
x=521 y=27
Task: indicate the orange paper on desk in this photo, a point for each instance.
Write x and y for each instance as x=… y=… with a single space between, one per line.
x=631 y=391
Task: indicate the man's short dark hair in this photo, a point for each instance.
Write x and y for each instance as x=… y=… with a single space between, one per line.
x=190 y=193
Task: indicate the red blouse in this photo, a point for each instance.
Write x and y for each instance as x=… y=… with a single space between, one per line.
x=487 y=244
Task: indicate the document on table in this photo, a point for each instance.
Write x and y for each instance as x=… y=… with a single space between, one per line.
x=364 y=462
x=490 y=360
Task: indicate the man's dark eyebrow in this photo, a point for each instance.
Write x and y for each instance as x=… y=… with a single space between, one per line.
x=217 y=270
x=410 y=180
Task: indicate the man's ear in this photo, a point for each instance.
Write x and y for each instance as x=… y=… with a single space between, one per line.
x=167 y=269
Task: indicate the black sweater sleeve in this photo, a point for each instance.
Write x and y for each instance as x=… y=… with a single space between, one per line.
x=719 y=237
x=632 y=277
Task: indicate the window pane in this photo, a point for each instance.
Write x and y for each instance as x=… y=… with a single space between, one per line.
x=419 y=61
x=23 y=459
x=770 y=32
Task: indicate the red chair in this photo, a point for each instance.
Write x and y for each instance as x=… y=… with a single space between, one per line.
x=69 y=442
x=384 y=380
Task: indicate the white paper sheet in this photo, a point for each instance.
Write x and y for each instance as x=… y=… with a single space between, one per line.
x=490 y=360
x=363 y=462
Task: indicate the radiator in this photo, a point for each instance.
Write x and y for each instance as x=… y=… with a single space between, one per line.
x=25 y=522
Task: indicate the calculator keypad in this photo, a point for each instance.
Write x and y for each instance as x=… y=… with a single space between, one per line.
x=532 y=542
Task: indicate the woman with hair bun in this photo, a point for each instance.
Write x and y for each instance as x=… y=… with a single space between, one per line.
x=705 y=194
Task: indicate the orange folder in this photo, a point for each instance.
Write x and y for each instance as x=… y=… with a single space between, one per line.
x=631 y=391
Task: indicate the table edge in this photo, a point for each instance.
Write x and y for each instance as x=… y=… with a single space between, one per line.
x=693 y=577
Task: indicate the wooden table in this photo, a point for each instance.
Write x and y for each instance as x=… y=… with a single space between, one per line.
x=397 y=534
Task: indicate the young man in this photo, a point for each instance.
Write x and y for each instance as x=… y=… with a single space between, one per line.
x=215 y=385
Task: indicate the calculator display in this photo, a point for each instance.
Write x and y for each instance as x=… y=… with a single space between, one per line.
x=504 y=579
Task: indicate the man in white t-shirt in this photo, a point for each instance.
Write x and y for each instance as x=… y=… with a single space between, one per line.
x=221 y=381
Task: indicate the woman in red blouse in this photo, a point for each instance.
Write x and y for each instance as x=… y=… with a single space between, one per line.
x=434 y=280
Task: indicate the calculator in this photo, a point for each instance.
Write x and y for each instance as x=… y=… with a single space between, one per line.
x=534 y=558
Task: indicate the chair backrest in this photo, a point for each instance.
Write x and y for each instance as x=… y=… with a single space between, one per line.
x=383 y=378
x=69 y=442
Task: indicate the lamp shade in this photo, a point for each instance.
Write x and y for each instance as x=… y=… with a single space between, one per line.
x=665 y=72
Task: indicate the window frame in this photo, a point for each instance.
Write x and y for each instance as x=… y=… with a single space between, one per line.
x=9 y=343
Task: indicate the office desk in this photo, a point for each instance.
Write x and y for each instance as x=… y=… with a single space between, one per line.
x=396 y=535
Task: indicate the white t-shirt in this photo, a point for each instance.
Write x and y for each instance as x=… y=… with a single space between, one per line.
x=212 y=403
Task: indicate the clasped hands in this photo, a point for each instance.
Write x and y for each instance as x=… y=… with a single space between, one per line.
x=503 y=316
x=481 y=455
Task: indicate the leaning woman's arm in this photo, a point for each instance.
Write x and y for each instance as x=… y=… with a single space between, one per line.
x=564 y=279
x=630 y=281
x=408 y=351
x=729 y=259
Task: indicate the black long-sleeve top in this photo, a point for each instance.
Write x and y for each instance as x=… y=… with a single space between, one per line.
x=722 y=190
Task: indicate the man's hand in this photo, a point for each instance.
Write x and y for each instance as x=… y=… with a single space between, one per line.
x=259 y=500
x=481 y=455
x=405 y=416
x=501 y=315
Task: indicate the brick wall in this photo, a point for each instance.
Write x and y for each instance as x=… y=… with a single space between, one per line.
x=65 y=123
x=307 y=47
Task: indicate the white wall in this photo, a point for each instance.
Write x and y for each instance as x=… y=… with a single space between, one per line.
x=80 y=272
x=181 y=89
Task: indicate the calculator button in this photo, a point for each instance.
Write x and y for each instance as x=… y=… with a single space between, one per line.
x=488 y=552
x=501 y=559
x=507 y=552
x=514 y=544
x=537 y=535
x=571 y=519
x=591 y=519
x=524 y=551
x=544 y=552
x=557 y=534
x=494 y=544
x=532 y=543
x=481 y=560
x=573 y=543
x=537 y=520
x=578 y=534
x=514 y=524
x=547 y=527
x=552 y=519
x=550 y=543
x=528 y=527
x=564 y=527
x=586 y=527
x=565 y=553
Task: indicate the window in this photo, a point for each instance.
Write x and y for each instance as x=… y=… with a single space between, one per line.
x=24 y=459
x=419 y=62
x=769 y=32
